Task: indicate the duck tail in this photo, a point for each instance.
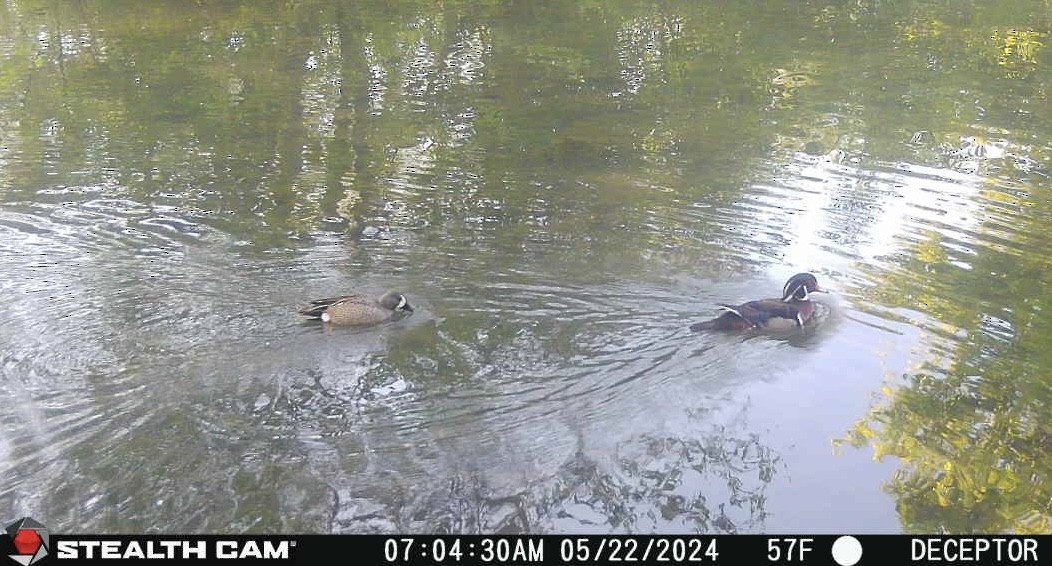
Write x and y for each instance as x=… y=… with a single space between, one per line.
x=313 y=312
x=317 y=308
x=703 y=326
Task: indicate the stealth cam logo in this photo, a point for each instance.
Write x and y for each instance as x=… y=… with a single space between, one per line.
x=30 y=539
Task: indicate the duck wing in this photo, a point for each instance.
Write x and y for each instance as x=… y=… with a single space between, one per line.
x=758 y=313
x=318 y=307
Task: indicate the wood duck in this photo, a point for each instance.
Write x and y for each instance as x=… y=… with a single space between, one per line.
x=349 y=310
x=792 y=310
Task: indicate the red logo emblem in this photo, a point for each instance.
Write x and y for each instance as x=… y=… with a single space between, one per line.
x=30 y=539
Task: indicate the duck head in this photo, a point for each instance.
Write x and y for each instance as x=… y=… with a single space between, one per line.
x=799 y=286
x=396 y=302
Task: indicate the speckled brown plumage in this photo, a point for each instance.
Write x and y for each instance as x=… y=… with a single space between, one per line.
x=347 y=310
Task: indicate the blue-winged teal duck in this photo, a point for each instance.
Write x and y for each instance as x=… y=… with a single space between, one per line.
x=792 y=310
x=358 y=309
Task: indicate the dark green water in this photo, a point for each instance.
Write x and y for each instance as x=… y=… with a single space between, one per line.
x=560 y=189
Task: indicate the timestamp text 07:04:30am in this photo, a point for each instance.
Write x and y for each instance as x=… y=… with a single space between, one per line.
x=568 y=549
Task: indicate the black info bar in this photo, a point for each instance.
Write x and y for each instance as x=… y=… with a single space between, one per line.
x=575 y=549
